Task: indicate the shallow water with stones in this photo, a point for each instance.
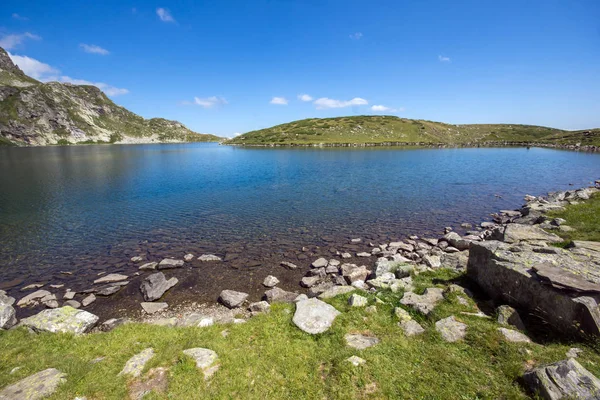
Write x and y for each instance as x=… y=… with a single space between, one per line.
x=89 y=209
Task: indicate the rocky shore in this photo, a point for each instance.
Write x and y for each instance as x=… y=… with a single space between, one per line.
x=511 y=261
x=572 y=147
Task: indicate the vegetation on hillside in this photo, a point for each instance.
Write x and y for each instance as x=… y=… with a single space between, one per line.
x=270 y=358
x=584 y=218
x=383 y=129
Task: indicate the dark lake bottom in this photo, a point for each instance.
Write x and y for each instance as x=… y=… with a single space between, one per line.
x=89 y=209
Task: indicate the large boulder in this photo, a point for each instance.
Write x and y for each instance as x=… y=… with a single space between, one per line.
x=507 y=274
x=155 y=285
x=34 y=387
x=64 y=319
x=565 y=379
x=514 y=233
x=314 y=316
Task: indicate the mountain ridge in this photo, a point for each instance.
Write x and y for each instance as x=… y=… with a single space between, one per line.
x=39 y=114
x=380 y=130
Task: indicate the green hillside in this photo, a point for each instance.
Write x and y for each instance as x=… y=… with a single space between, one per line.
x=385 y=129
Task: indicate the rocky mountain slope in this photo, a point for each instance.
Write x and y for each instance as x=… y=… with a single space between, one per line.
x=390 y=129
x=36 y=113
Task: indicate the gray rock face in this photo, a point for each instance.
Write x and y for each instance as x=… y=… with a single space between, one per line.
x=411 y=327
x=424 y=303
x=451 y=329
x=151 y=308
x=314 y=316
x=206 y=360
x=33 y=298
x=514 y=233
x=320 y=263
x=232 y=299
x=8 y=317
x=170 y=263
x=154 y=286
x=514 y=336
x=135 y=365
x=278 y=295
x=565 y=379
x=507 y=276
x=360 y=342
x=270 y=281
x=111 y=278
x=34 y=387
x=65 y=319
x=509 y=316
x=336 y=291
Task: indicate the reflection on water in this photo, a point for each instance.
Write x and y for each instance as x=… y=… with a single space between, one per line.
x=91 y=206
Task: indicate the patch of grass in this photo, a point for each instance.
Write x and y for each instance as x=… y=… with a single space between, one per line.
x=583 y=217
x=268 y=357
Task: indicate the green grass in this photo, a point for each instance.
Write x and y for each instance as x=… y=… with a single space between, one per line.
x=383 y=129
x=268 y=357
x=583 y=217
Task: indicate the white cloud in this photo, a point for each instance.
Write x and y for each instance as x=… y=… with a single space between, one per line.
x=356 y=36
x=382 y=108
x=32 y=67
x=324 y=103
x=92 y=48
x=444 y=59
x=45 y=73
x=19 y=17
x=164 y=15
x=279 y=100
x=9 y=42
x=305 y=97
x=209 y=102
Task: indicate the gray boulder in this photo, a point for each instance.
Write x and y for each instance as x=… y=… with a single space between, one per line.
x=411 y=327
x=232 y=299
x=357 y=300
x=154 y=286
x=260 y=307
x=424 y=303
x=170 y=263
x=270 y=281
x=64 y=319
x=8 y=317
x=451 y=329
x=336 y=291
x=278 y=295
x=456 y=241
x=319 y=263
x=33 y=298
x=360 y=342
x=565 y=379
x=314 y=316
x=34 y=387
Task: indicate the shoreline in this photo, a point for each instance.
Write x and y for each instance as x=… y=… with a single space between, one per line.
x=192 y=274
x=571 y=147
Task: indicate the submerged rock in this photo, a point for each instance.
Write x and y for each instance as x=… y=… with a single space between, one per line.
x=288 y=265
x=34 y=387
x=565 y=379
x=65 y=319
x=111 y=278
x=170 y=263
x=314 y=316
x=155 y=285
x=209 y=258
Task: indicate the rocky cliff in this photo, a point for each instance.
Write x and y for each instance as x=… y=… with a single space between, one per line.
x=36 y=113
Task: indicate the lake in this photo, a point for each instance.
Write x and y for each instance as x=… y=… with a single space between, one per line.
x=90 y=208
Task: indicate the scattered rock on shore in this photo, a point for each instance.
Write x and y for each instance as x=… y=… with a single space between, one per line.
x=232 y=299
x=170 y=263
x=152 y=307
x=154 y=286
x=34 y=387
x=209 y=258
x=451 y=329
x=314 y=316
x=64 y=319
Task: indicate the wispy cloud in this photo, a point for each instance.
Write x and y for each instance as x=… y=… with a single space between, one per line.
x=279 y=100
x=164 y=15
x=32 y=67
x=356 y=36
x=9 y=42
x=46 y=73
x=444 y=59
x=19 y=17
x=324 y=103
x=209 y=102
x=382 y=108
x=93 y=49
x=305 y=97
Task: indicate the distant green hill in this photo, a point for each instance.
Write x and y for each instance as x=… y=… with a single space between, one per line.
x=36 y=113
x=391 y=129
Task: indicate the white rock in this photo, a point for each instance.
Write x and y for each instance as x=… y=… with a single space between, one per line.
x=314 y=316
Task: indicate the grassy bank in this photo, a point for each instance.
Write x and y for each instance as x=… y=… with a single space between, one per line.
x=269 y=357
x=584 y=218
x=385 y=129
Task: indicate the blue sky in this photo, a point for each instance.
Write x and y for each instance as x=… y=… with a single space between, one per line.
x=226 y=67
